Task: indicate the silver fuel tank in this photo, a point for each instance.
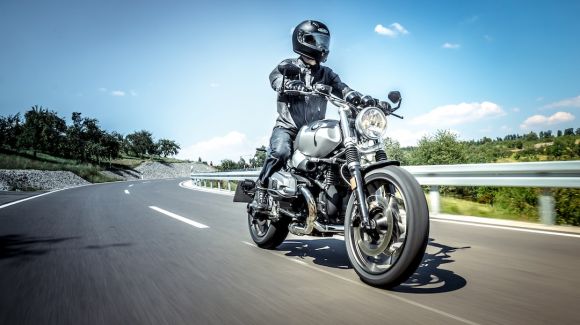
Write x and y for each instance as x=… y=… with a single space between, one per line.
x=319 y=138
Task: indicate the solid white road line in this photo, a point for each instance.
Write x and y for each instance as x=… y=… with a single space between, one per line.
x=131 y=185
x=30 y=198
x=127 y=192
x=178 y=217
x=360 y=284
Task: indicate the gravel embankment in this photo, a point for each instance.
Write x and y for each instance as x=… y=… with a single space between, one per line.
x=31 y=179
x=156 y=170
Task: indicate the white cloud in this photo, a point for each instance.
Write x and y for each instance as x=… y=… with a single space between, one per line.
x=229 y=146
x=450 y=46
x=118 y=93
x=449 y=115
x=394 y=30
x=407 y=137
x=542 y=120
x=399 y=28
x=568 y=102
x=516 y=109
x=506 y=128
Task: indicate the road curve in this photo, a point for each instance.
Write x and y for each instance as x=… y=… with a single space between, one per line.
x=151 y=252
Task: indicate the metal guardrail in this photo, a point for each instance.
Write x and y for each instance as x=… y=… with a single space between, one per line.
x=546 y=175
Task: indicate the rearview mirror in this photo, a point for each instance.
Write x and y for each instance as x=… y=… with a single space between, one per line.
x=394 y=96
x=288 y=69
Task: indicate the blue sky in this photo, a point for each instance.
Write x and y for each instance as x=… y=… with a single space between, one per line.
x=197 y=71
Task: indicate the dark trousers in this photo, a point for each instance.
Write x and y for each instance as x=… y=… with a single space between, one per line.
x=280 y=150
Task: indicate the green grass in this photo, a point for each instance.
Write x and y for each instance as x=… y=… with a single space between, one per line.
x=89 y=172
x=451 y=205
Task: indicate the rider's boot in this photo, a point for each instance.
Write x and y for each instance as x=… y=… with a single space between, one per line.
x=260 y=202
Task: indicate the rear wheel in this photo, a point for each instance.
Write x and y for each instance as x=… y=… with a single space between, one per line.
x=266 y=233
x=388 y=254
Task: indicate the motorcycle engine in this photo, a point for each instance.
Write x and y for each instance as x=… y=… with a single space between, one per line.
x=282 y=184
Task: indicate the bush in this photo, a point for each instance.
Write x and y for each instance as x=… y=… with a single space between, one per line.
x=567 y=206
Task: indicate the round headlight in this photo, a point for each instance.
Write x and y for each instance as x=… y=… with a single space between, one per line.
x=371 y=123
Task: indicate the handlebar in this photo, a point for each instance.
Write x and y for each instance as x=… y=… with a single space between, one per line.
x=337 y=101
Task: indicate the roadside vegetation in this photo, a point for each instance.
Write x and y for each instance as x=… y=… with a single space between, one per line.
x=41 y=139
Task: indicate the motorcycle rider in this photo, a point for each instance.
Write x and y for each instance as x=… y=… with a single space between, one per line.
x=311 y=40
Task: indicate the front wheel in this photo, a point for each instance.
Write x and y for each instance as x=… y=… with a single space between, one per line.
x=389 y=253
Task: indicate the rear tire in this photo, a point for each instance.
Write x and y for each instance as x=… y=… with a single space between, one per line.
x=265 y=233
x=391 y=254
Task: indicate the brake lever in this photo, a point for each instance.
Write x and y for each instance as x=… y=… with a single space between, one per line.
x=395 y=115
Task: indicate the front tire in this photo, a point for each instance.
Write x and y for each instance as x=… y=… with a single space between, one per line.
x=266 y=233
x=389 y=254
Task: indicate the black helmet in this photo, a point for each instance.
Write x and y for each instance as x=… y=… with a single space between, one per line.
x=312 y=39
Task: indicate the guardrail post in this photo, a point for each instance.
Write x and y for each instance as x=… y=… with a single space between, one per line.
x=229 y=186
x=435 y=199
x=219 y=184
x=546 y=207
x=210 y=184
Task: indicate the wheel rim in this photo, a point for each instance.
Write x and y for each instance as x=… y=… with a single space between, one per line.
x=259 y=225
x=378 y=250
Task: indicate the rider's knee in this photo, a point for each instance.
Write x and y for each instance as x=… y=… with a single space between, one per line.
x=282 y=152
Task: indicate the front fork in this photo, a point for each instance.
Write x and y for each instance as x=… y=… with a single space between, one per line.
x=353 y=160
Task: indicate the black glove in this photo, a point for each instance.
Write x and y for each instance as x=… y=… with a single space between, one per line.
x=295 y=85
x=353 y=97
x=367 y=101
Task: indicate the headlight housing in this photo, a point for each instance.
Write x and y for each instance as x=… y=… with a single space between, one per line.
x=371 y=123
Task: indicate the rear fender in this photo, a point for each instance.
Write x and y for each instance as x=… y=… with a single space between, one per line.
x=245 y=191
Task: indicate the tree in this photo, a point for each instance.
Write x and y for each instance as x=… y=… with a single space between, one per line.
x=532 y=136
x=140 y=143
x=393 y=150
x=259 y=157
x=227 y=164
x=442 y=148
x=578 y=131
x=167 y=147
x=569 y=131
x=559 y=134
x=43 y=130
x=242 y=163
x=10 y=130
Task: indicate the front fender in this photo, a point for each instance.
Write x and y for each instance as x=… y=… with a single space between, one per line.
x=379 y=164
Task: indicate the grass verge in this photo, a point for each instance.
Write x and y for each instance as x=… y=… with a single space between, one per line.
x=451 y=205
x=89 y=172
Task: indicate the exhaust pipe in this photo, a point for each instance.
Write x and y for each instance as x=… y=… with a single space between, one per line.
x=311 y=222
x=328 y=228
x=310 y=219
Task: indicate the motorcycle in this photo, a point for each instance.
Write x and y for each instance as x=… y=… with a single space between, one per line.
x=339 y=181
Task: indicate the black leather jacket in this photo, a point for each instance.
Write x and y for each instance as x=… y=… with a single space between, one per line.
x=297 y=111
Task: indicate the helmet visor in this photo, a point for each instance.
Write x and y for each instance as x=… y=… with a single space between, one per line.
x=317 y=40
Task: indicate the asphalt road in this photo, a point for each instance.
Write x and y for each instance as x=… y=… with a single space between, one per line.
x=101 y=255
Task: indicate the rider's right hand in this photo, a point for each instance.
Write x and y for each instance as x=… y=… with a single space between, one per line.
x=297 y=85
